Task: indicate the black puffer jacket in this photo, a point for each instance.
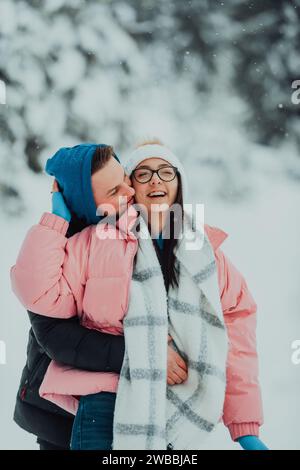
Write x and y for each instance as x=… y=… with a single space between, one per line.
x=68 y=342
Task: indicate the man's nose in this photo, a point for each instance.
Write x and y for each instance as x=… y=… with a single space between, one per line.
x=128 y=190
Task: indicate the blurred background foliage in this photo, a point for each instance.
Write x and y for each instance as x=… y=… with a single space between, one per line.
x=212 y=79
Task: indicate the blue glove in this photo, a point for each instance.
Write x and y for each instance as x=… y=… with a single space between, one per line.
x=251 y=443
x=59 y=206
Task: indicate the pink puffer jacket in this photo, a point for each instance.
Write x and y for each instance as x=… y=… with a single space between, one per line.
x=85 y=276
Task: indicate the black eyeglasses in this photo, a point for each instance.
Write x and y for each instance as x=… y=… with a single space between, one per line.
x=144 y=175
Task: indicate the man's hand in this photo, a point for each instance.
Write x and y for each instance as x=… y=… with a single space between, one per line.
x=176 y=368
x=59 y=206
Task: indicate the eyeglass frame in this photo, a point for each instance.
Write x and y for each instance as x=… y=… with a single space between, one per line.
x=156 y=171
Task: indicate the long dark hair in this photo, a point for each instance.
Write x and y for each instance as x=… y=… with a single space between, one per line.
x=166 y=256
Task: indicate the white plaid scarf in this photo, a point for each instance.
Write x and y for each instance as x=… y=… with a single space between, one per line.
x=150 y=414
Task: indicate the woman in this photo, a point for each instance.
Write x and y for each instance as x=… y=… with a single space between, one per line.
x=203 y=301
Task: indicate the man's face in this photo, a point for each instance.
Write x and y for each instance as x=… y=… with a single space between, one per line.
x=112 y=189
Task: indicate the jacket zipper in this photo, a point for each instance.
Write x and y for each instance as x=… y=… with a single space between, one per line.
x=130 y=277
x=23 y=393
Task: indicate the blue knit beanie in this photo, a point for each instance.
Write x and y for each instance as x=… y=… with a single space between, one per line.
x=71 y=167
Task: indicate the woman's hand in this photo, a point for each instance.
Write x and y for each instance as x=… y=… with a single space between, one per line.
x=59 y=206
x=251 y=443
x=176 y=368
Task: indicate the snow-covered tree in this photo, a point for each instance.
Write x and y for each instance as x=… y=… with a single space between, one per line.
x=266 y=39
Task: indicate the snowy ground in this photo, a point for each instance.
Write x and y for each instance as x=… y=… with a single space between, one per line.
x=263 y=242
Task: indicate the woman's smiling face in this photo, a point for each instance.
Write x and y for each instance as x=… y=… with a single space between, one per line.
x=155 y=191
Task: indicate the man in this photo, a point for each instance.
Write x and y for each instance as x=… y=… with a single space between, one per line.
x=66 y=341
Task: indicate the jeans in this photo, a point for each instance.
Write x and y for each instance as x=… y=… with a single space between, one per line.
x=93 y=424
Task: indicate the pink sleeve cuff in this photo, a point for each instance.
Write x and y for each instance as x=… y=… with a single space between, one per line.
x=54 y=222
x=243 y=429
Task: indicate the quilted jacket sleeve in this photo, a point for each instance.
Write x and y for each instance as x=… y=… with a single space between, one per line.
x=48 y=276
x=243 y=404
